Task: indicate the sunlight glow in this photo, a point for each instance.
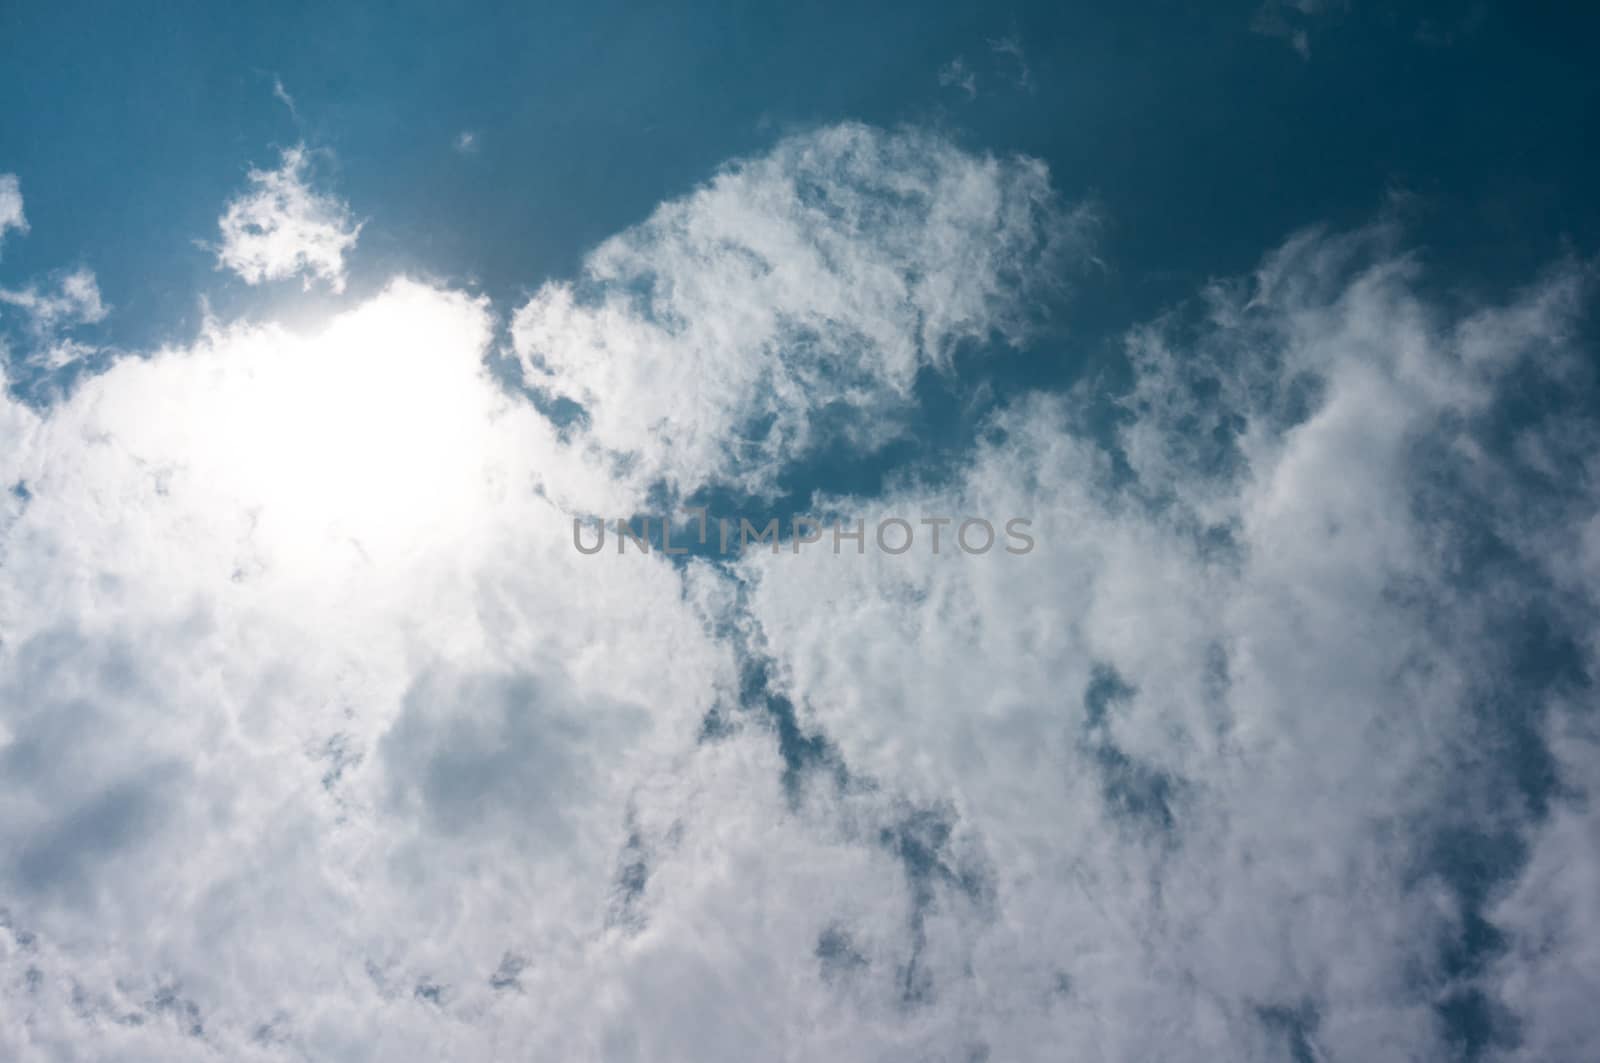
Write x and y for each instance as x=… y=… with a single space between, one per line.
x=367 y=435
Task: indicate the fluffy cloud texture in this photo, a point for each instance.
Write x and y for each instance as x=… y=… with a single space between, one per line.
x=267 y=701
x=48 y=313
x=282 y=227
x=810 y=285
x=75 y=300
x=1253 y=739
x=51 y=312
x=319 y=741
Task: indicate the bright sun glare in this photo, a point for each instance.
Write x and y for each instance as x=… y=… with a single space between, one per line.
x=370 y=433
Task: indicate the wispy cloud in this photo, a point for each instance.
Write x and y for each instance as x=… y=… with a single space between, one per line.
x=71 y=299
x=282 y=227
x=11 y=216
x=1293 y=20
x=281 y=94
x=75 y=300
x=1009 y=48
x=955 y=74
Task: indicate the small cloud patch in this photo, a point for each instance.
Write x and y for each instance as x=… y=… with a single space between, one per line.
x=281 y=227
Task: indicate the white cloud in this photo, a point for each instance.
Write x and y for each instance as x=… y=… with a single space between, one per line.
x=75 y=300
x=281 y=94
x=282 y=227
x=815 y=282
x=1550 y=974
x=318 y=740
x=283 y=618
x=11 y=216
x=1218 y=730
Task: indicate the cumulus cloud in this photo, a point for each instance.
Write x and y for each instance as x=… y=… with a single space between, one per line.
x=706 y=344
x=1248 y=738
x=247 y=671
x=282 y=227
x=319 y=740
x=11 y=216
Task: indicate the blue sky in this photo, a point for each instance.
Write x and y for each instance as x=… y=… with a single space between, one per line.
x=323 y=328
x=1204 y=143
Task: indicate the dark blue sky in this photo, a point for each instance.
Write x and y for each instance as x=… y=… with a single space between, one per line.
x=1203 y=140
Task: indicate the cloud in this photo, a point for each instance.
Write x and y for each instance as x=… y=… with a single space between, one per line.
x=282 y=227
x=11 y=216
x=955 y=74
x=1293 y=20
x=281 y=94
x=1550 y=970
x=319 y=740
x=501 y=754
x=706 y=344
x=1010 y=47
x=49 y=314
x=75 y=301
x=1246 y=737
x=284 y=616
x=1010 y=63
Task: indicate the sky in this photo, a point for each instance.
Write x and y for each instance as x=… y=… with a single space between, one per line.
x=1257 y=335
